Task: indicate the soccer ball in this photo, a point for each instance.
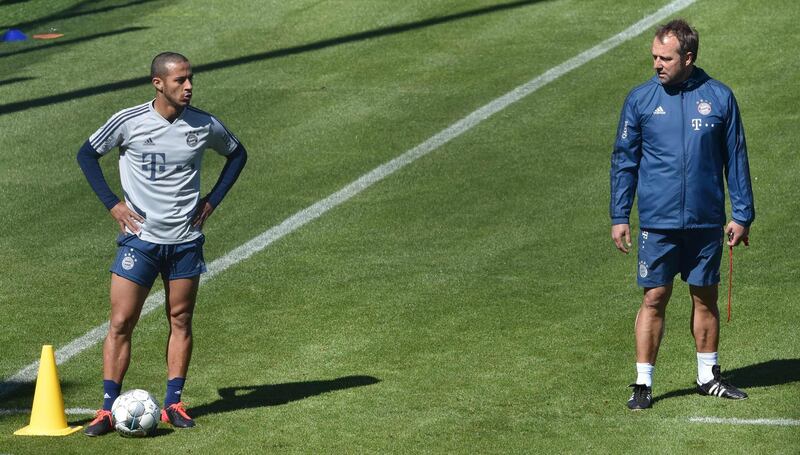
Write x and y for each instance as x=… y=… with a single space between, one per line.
x=135 y=414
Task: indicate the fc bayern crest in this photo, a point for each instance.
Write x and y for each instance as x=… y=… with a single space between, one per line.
x=191 y=139
x=129 y=260
x=704 y=107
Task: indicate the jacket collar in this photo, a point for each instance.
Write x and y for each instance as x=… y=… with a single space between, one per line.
x=697 y=78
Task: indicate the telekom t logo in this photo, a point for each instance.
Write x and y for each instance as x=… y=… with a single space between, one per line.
x=696 y=122
x=152 y=163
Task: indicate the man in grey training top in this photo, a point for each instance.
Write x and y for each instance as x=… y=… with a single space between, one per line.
x=161 y=145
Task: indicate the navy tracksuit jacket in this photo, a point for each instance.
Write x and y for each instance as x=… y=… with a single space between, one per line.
x=674 y=147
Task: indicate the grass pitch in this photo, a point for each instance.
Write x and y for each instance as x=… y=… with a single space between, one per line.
x=471 y=302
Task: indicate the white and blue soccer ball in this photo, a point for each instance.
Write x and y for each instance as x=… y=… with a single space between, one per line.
x=135 y=414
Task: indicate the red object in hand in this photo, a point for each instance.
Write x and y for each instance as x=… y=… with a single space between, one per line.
x=746 y=241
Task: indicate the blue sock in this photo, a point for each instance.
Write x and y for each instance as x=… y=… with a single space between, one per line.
x=111 y=391
x=174 y=390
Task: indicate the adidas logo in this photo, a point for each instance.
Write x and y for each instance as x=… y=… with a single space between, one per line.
x=659 y=111
x=106 y=396
x=717 y=390
x=149 y=141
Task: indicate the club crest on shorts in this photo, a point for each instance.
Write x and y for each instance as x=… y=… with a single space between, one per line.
x=642 y=269
x=704 y=107
x=128 y=261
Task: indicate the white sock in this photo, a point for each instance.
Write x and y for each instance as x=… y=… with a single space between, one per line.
x=705 y=360
x=644 y=374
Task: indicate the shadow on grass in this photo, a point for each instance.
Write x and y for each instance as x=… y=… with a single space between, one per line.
x=244 y=397
x=764 y=374
x=160 y=431
x=68 y=13
x=19 y=395
x=17 y=106
x=14 y=80
x=69 y=42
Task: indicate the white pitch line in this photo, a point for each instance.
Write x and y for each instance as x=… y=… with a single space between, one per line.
x=67 y=411
x=311 y=213
x=734 y=421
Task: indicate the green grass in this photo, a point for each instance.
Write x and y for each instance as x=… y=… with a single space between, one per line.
x=471 y=302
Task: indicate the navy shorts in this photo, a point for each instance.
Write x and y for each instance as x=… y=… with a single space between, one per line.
x=141 y=261
x=695 y=253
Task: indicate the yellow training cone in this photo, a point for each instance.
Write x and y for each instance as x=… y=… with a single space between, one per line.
x=47 y=416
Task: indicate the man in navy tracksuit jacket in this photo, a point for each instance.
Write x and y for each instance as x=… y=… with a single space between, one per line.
x=680 y=137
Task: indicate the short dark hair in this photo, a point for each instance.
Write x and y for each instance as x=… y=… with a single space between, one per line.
x=159 y=66
x=687 y=36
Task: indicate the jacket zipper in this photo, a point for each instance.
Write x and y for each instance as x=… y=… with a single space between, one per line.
x=683 y=163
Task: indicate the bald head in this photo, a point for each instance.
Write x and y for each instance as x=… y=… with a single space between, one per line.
x=161 y=62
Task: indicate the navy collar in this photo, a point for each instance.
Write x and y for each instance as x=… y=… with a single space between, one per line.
x=696 y=79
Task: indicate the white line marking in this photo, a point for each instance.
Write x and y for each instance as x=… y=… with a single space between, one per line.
x=706 y=420
x=313 y=212
x=733 y=421
x=68 y=411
